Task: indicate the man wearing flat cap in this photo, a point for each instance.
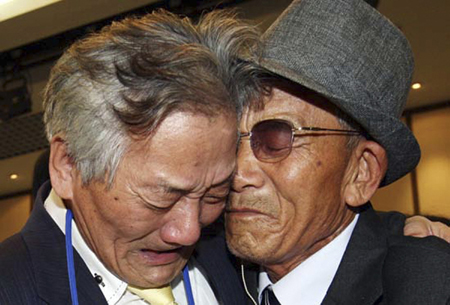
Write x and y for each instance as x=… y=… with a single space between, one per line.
x=328 y=136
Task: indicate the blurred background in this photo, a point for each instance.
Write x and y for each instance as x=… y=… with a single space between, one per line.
x=34 y=33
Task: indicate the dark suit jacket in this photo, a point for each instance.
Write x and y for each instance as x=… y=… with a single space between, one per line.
x=381 y=266
x=33 y=268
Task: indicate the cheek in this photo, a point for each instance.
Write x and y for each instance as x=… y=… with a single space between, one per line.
x=287 y=183
x=137 y=225
x=307 y=192
x=300 y=178
x=123 y=222
x=210 y=212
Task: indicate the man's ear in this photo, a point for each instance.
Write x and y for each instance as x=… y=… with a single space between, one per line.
x=368 y=167
x=61 y=168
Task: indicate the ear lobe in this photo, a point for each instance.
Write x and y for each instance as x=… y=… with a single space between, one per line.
x=370 y=168
x=61 y=168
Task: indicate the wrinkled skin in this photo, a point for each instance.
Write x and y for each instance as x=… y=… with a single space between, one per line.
x=165 y=190
x=281 y=213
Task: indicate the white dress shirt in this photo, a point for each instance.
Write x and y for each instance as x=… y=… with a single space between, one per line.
x=308 y=283
x=113 y=288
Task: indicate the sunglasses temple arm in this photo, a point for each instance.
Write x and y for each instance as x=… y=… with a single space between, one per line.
x=245 y=134
x=327 y=129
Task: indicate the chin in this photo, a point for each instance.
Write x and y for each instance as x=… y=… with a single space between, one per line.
x=250 y=249
x=156 y=276
x=155 y=280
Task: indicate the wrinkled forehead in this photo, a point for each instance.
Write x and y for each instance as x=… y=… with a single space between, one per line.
x=287 y=100
x=184 y=125
x=187 y=151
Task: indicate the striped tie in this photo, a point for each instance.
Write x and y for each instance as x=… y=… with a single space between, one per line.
x=268 y=297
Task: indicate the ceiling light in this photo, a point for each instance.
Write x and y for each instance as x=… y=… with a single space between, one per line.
x=416 y=86
x=4 y=1
x=13 y=8
x=13 y=176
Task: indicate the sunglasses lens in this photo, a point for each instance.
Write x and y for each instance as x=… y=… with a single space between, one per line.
x=271 y=140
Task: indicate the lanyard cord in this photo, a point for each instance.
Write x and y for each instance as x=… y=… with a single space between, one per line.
x=187 y=285
x=70 y=263
x=71 y=266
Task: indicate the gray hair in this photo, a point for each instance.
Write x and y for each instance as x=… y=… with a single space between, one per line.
x=347 y=122
x=120 y=83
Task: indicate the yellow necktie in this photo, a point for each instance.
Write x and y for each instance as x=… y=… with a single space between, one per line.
x=155 y=296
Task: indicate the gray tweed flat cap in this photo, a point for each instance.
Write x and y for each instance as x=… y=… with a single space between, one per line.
x=348 y=52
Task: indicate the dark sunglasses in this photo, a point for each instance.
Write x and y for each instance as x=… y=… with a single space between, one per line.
x=271 y=140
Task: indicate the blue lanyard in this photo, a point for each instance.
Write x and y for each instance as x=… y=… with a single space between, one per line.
x=187 y=285
x=71 y=266
x=69 y=253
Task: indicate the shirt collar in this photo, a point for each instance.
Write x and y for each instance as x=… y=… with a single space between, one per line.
x=310 y=280
x=111 y=286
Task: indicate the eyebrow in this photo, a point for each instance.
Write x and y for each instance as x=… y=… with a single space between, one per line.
x=227 y=180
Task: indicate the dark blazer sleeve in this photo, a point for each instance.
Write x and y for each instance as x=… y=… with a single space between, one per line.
x=417 y=271
x=382 y=266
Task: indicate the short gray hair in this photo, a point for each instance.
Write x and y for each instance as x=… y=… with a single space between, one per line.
x=347 y=122
x=123 y=81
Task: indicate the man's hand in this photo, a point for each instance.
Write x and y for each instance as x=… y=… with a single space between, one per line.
x=419 y=226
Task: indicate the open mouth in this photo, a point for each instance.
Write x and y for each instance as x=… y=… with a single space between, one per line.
x=152 y=257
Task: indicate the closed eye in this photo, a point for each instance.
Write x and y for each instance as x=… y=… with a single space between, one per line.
x=160 y=201
x=214 y=199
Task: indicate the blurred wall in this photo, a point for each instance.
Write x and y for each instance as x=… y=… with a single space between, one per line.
x=397 y=196
x=432 y=129
x=14 y=213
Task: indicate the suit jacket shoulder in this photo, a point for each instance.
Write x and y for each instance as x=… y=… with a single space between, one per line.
x=35 y=260
x=417 y=271
x=381 y=266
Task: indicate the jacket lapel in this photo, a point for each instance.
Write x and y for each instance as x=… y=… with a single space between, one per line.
x=251 y=276
x=359 y=276
x=46 y=244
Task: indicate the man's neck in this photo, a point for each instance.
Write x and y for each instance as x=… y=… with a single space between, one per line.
x=279 y=270
x=310 y=280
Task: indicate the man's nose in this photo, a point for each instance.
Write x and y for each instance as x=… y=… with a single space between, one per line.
x=248 y=173
x=183 y=225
